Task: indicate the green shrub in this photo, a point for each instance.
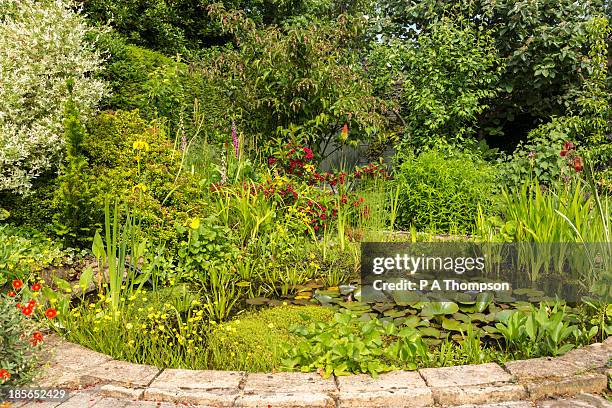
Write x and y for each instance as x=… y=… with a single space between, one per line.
x=23 y=251
x=256 y=341
x=17 y=351
x=538 y=158
x=133 y=159
x=148 y=178
x=442 y=192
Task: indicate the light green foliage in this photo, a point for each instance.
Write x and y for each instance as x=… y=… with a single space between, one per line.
x=42 y=47
x=23 y=251
x=350 y=345
x=257 y=341
x=563 y=213
x=16 y=352
x=442 y=192
x=543 y=331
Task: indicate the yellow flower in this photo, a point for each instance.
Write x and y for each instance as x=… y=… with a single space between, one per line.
x=141 y=145
x=139 y=188
x=194 y=223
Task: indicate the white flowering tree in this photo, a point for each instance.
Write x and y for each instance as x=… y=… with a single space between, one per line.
x=42 y=47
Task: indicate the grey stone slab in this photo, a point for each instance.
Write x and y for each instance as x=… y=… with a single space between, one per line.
x=261 y=383
x=210 y=388
x=196 y=379
x=479 y=394
x=115 y=391
x=541 y=369
x=287 y=400
x=214 y=398
x=394 y=389
x=577 y=384
x=510 y=404
x=81 y=400
x=467 y=375
x=592 y=357
x=123 y=373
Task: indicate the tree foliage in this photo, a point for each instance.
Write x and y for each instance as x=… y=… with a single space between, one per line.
x=544 y=44
x=305 y=81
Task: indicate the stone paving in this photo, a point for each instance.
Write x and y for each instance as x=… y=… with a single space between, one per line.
x=574 y=380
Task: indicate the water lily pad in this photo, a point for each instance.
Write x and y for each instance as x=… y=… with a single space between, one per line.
x=346 y=289
x=414 y=321
x=395 y=313
x=439 y=308
x=432 y=341
x=504 y=315
x=490 y=329
x=429 y=332
x=454 y=325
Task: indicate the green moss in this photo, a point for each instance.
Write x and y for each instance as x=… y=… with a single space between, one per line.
x=256 y=341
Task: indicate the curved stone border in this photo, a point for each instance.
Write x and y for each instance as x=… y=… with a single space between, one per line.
x=583 y=370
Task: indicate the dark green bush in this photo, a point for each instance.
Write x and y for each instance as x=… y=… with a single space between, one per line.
x=158 y=86
x=442 y=192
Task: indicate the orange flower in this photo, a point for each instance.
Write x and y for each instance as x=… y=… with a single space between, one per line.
x=17 y=284
x=36 y=287
x=50 y=313
x=27 y=311
x=37 y=337
x=11 y=294
x=32 y=303
x=4 y=375
x=345 y=131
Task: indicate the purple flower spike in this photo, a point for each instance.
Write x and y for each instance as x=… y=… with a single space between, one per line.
x=235 y=138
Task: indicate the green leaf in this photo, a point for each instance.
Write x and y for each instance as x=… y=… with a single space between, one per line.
x=86 y=278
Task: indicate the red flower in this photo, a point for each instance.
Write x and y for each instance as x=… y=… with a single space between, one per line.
x=567 y=146
x=19 y=306
x=32 y=303
x=309 y=154
x=578 y=163
x=36 y=287
x=17 y=284
x=50 y=313
x=272 y=161
x=11 y=294
x=27 y=311
x=37 y=337
x=4 y=375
